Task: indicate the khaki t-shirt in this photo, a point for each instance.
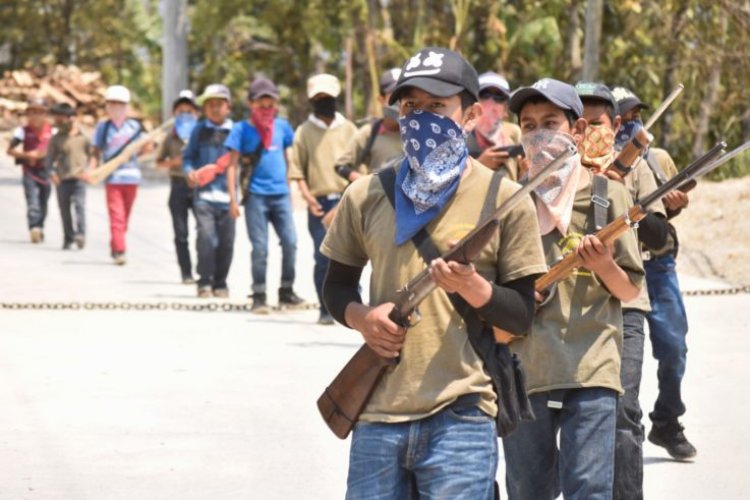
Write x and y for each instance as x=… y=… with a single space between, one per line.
x=172 y=148
x=438 y=363
x=576 y=339
x=314 y=154
x=640 y=183
x=386 y=147
x=68 y=155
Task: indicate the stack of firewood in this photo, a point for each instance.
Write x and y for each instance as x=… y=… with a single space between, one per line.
x=84 y=90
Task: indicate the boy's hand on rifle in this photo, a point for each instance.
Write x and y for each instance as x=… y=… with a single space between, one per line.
x=454 y=277
x=614 y=175
x=676 y=200
x=596 y=256
x=493 y=158
x=383 y=336
x=315 y=208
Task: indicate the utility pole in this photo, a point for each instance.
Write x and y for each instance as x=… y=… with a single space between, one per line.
x=174 y=69
x=592 y=38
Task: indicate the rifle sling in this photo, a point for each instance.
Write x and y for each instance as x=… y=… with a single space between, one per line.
x=502 y=366
x=117 y=153
x=599 y=200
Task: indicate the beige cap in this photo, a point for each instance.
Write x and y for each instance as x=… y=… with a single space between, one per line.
x=323 y=84
x=117 y=93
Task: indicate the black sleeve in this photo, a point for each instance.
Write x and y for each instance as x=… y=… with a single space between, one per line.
x=340 y=288
x=344 y=170
x=653 y=231
x=511 y=306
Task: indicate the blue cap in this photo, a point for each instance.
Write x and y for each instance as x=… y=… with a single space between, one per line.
x=559 y=93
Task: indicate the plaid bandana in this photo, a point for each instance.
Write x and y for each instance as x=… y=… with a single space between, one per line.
x=597 y=149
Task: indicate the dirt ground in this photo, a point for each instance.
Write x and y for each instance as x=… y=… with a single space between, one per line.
x=714 y=231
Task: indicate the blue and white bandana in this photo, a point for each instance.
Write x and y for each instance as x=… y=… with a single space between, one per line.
x=184 y=123
x=436 y=154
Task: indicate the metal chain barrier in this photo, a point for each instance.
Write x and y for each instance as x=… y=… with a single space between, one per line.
x=717 y=291
x=226 y=307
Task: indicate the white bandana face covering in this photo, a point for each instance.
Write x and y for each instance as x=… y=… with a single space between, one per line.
x=556 y=194
x=542 y=146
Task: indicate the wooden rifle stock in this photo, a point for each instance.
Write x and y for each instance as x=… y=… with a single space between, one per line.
x=100 y=173
x=632 y=151
x=345 y=398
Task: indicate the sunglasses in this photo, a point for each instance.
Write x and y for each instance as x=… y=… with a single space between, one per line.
x=497 y=98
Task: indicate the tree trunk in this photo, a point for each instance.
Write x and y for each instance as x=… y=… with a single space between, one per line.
x=174 y=77
x=594 y=11
x=670 y=73
x=712 y=91
x=573 y=42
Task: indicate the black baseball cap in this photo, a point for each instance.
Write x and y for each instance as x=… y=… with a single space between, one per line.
x=559 y=93
x=63 y=109
x=388 y=80
x=627 y=100
x=438 y=71
x=597 y=91
x=262 y=87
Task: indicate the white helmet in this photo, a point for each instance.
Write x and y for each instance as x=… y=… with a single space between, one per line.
x=117 y=93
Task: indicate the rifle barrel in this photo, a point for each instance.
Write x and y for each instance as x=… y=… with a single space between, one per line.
x=688 y=173
x=664 y=105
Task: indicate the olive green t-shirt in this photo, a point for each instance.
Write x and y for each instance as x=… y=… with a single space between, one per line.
x=68 y=155
x=438 y=363
x=314 y=153
x=172 y=148
x=576 y=338
x=640 y=183
x=386 y=147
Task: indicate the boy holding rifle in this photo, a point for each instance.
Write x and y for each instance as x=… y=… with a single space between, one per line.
x=429 y=427
x=601 y=112
x=111 y=137
x=572 y=355
x=667 y=320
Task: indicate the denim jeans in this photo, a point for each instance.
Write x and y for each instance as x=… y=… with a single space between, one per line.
x=451 y=455
x=180 y=206
x=260 y=210
x=215 y=244
x=583 y=466
x=37 y=195
x=318 y=233
x=667 y=325
x=628 y=483
x=72 y=192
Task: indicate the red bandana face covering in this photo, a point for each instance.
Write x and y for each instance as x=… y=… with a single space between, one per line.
x=263 y=118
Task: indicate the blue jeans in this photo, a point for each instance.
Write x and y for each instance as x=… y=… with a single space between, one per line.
x=450 y=455
x=259 y=211
x=37 y=195
x=667 y=325
x=629 y=435
x=72 y=192
x=583 y=466
x=180 y=206
x=215 y=244
x=318 y=233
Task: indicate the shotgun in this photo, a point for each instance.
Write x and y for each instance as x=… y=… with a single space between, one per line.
x=345 y=398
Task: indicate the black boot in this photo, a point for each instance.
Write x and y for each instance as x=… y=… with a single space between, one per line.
x=287 y=297
x=259 y=304
x=670 y=435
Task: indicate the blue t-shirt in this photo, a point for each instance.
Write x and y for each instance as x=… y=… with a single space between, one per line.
x=130 y=171
x=270 y=175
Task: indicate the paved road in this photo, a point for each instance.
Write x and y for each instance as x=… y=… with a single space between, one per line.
x=186 y=405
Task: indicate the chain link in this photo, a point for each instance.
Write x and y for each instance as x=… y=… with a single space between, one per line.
x=226 y=307
x=229 y=307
